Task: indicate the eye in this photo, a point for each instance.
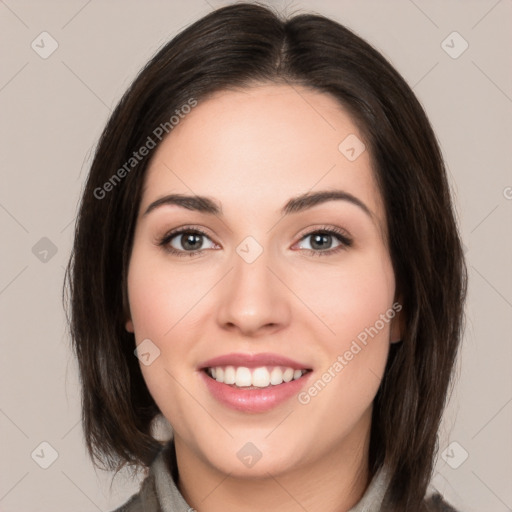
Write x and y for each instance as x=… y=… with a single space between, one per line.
x=186 y=242
x=322 y=240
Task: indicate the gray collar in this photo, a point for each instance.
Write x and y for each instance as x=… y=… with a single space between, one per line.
x=374 y=494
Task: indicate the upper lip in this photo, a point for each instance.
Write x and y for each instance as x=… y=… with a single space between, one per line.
x=253 y=361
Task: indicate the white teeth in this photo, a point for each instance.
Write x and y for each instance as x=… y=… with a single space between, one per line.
x=229 y=375
x=261 y=377
x=288 y=374
x=243 y=377
x=276 y=376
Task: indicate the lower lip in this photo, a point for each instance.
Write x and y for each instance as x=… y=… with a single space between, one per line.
x=254 y=400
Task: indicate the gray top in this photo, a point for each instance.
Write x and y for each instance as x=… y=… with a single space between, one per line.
x=159 y=492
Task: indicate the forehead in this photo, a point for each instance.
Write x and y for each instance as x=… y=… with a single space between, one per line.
x=254 y=148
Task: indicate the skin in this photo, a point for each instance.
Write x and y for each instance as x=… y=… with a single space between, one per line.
x=251 y=150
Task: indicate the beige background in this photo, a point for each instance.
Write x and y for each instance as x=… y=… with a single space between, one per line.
x=52 y=112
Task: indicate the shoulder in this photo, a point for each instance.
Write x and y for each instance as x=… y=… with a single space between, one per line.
x=145 y=500
x=158 y=489
x=134 y=504
x=436 y=503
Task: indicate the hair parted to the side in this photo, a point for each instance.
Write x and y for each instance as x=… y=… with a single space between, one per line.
x=239 y=46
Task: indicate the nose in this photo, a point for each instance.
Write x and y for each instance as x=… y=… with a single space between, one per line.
x=253 y=301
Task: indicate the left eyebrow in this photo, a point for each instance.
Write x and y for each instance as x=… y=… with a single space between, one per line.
x=308 y=200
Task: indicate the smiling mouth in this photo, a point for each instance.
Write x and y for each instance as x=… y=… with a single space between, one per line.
x=254 y=378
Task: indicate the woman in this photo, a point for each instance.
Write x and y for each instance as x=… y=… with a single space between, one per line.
x=267 y=226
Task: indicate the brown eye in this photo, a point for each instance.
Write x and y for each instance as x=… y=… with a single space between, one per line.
x=189 y=241
x=185 y=242
x=321 y=241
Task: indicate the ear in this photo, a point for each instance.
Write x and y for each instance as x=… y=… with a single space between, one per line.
x=129 y=325
x=397 y=323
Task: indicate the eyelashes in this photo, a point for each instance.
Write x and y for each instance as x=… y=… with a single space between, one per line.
x=195 y=236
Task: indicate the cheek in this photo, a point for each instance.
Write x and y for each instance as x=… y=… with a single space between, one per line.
x=357 y=304
x=161 y=299
x=164 y=304
x=355 y=301
x=160 y=296
x=350 y=297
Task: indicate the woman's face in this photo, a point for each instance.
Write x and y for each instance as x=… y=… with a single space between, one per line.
x=269 y=287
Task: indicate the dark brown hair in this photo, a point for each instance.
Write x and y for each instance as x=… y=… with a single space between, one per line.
x=237 y=46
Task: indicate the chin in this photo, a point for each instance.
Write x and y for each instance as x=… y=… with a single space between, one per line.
x=248 y=463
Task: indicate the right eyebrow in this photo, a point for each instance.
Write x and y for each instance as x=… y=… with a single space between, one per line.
x=198 y=203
